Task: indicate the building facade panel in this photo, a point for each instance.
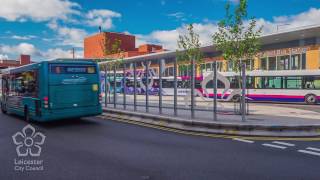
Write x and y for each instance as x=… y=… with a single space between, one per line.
x=313 y=59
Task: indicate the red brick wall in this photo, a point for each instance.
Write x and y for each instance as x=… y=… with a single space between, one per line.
x=149 y=48
x=25 y=59
x=93 y=45
x=128 y=42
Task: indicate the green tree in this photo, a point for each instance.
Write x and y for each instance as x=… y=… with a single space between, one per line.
x=189 y=53
x=237 y=36
x=112 y=52
x=189 y=49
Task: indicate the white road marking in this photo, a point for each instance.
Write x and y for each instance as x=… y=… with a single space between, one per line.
x=283 y=143
x=313 y=149
x=309 y=152
x=274 y=146
x=243 y=140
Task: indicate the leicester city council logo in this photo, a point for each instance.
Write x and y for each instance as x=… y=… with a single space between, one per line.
x=28 y=142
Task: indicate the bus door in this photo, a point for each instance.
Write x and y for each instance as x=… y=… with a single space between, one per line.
x=72 y=86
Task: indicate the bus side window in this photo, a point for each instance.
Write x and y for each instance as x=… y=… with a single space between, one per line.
x=5 y=86
x=311 y=82
x=24 y=84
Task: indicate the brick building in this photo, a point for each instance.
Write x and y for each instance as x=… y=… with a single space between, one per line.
x=94 y=45
x=23 y=60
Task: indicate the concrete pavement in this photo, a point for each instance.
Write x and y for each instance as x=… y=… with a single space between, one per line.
x=257 y=110
x=264 y=119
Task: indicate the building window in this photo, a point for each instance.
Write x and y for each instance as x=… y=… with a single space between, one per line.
x=283 y=62
x=295 y=62
x=264 y=64
x=168 y=71
x=272 y=63
x=249 y=64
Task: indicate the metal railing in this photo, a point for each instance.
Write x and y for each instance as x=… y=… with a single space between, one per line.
x=144 y=92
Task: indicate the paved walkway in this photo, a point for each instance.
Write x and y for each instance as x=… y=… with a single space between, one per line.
x=260 y=114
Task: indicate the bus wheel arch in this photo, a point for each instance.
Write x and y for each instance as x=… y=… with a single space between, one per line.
x=310 y=99
x=236 y=98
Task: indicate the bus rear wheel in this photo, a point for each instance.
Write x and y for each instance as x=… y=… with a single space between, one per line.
x=26 y=115
x=310 y=99
x=236 y=98
x=3 y=109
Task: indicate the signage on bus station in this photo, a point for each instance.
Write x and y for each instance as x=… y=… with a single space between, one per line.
x=286 y=51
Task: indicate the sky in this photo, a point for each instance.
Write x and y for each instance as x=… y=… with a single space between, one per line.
x=48 y=29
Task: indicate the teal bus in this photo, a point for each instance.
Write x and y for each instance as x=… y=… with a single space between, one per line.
x=52 y=90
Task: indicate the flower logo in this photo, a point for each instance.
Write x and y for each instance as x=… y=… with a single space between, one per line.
x=28 y=141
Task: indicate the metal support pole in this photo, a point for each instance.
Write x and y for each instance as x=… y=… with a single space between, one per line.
x=160 y=86
x=215 y=91
x=175 y=87
x=109 y=87
x=243 y=92
x=124 y=87
x=135 y=86
x=192 y=87
x=147 y=88
x=105 y=86
x=247 y=102
x=114 y=87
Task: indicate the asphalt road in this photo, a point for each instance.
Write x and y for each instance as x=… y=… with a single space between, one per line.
x=93 y=148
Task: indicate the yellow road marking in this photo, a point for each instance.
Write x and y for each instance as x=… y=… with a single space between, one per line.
x=185 y=132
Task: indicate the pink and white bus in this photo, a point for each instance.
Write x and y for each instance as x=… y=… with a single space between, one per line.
x=301 y=86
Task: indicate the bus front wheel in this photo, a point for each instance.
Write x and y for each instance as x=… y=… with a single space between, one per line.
x=310 y=99
x=26 y=114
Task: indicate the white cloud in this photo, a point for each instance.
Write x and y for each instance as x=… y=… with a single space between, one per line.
x=101 y=17
x=67 y=36
x=14 y=51
x=37 y=10
x=310 y=17
x=61 y=53
x=27 y=37
x=178 y=16
x=71 y=36
x=4 y=57
x=53 y=24
x=22 y=48
x=74 y=36
x=168 y=38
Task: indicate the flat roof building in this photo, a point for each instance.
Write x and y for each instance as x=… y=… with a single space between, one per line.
x=23 y=60
x=98 y=45
x=294 y=49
